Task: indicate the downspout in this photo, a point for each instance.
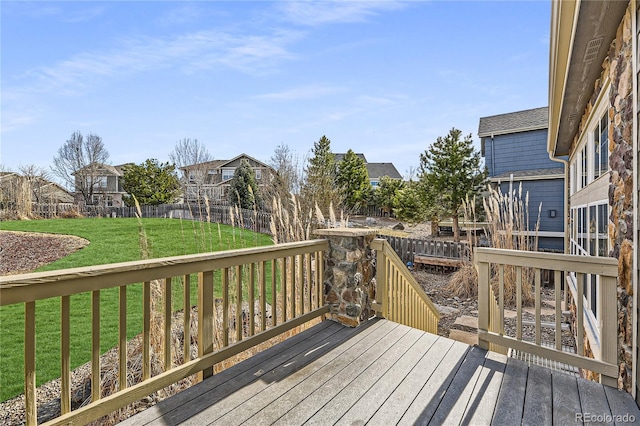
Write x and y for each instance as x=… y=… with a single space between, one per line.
x=493 y=156
x=565 y=164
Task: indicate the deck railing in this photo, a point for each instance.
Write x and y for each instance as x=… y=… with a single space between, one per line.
x=399 y=297
x=574 y=271
x=291 y=273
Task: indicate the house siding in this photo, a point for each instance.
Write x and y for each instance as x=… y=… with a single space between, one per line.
x=505 y=153
x=527 y=150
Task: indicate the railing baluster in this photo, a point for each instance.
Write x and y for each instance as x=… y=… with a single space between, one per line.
x=252 y=298
x=283 y=273
x=239 y=320
x=274 y=294
x=225 y=307
x=501 y=296
x=95 y=345
x=146 y=330
x=519 y=302
x=30 y=363
x=580 y=314
x=263 y=296
x=538 y=303
x=292 y=263
x=186 y=290
x=484 y=293
x=65 y=355
x=167 y=324
x=309 y=282
x=557 y=277
x=301 y=282
x=205 y=319
x=122 y=337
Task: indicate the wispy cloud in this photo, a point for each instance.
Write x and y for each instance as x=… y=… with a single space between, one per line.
x=312 y=13
x=303 y=92
x=188 y=52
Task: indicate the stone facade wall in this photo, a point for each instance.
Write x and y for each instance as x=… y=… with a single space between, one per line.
x=618 y=68
x=349 y=274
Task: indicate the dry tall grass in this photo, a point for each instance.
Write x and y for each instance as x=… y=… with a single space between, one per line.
x=508 y=219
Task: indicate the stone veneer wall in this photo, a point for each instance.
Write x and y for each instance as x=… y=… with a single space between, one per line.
x=618 y=67
x=349 y=274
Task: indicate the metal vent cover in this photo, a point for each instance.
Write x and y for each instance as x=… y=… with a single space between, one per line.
x=592 y=49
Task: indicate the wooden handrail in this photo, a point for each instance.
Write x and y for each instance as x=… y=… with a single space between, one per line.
x=399 y=297
x=291 y=264
x=492 y=263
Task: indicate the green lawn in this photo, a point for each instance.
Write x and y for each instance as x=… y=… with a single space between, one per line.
x=111 y=240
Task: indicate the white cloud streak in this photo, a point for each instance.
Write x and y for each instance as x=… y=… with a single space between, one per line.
x=313 y=13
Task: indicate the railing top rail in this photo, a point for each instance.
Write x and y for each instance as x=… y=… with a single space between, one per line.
x=605 y=266
x=42 y=285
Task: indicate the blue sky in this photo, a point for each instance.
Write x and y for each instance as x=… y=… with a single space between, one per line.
x=382 y=78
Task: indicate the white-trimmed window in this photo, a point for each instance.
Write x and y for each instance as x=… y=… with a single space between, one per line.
x=601 y=147
x=589 y=237
x=258 y=173
x=227 y=174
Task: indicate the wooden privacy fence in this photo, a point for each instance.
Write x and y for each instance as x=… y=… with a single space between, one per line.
x=502 y=267
x=408 y=248
x=399 y=297
x=256 y=220
x=234 y=289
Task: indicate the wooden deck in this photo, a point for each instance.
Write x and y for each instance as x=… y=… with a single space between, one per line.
x=383 y=373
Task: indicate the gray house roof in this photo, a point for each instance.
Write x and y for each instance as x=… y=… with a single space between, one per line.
x=514 y=122
x=338 y=157
x=378 y=170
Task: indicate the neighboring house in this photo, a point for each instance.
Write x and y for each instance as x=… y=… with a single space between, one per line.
x=106 y=183
x=42 y=191
x=593 y=119
x=212 y=179
x=375 y=170
x=514 y=147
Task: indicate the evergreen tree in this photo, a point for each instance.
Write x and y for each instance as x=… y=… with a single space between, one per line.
x=449 y=171
x=243 y=191
x=151 y=183
x=320 y=183
x=385 y=194
x=353 y=180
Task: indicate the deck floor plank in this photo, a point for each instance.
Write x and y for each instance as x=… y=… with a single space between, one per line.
x=384 y=387
x=566 y=399
x=511 y=398
x=291 y=386
x=539 y=397
x=428 y=399
x=397 y=404
x=453 y=405
x=622 y=406
x=383 y=373
x=190 y=396
x=351 y=392
x=482 y=402
x=593 y=400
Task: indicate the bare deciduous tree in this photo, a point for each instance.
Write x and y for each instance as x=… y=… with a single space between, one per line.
x=38 y=179
x=78 y=163
x=190 y=157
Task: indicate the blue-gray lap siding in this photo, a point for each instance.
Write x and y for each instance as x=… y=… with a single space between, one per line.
x=549 y=192
x=517 y=151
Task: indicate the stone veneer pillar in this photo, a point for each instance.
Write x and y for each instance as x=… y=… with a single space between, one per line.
x=349 y=274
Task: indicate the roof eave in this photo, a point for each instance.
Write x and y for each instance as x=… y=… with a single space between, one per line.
x=575 y=26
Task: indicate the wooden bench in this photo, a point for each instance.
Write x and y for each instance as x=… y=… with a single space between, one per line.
x=423 y=259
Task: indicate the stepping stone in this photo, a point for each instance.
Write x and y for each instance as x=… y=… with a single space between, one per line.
x=446 y=310
x=507 y=313
x=467 y=321
x=543 y=311
x=464 y=337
